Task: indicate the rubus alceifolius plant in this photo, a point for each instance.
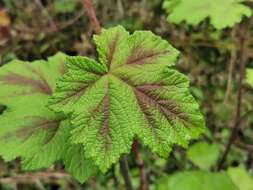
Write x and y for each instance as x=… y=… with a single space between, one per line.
x=222 y=14
x=88 y=112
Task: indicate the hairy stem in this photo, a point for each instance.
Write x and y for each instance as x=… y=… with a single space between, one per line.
x=125 y=173
x=92 y=15
x=140 y=164
x=237 y=120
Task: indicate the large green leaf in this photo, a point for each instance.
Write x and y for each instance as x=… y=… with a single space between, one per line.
x=197 y=180
x=28 y=129
x=130 y=92
x=222 y=14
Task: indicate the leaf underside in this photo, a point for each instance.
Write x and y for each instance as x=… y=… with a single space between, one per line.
x=28 y=129
x=222 y=14
x=130 y=92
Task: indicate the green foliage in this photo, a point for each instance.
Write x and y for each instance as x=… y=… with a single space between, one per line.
x=249 y=77
x=235 y=178
x=241 y=178
x=203 y=155
x=197 y=180
x=64 y=6
x=130 y=92
x=28 y=128
x=222 y=14
x=99 y=106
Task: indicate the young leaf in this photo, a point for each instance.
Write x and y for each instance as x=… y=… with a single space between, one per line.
x=222 y=14
x=131 y=91
x=28 y=129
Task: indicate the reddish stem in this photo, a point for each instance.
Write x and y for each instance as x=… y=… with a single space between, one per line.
x=92 y=15
x=140 y=164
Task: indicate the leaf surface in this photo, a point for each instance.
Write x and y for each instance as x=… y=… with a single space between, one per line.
x=28 y=129
x=129 y=92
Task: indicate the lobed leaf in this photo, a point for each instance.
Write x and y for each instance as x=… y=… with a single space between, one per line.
x=129 y=92
x=28 y=129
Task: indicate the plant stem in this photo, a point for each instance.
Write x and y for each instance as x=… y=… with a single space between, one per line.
x=243 y=36
x=140 y=164
x=232 y=62
x=92 y=15
x=125 y=173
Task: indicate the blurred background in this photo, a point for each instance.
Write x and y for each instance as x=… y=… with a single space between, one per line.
x=36 y=29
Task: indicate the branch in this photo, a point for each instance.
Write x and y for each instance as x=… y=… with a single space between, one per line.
x=92 y=15
x=140 y=164
x=31 y=178
x=125 y=172
x=237 y=120
x=232 y=62
x=247 y=147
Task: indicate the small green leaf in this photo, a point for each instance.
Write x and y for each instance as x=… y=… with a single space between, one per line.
x=222 y=14
x=197 y=180
x=130 y=92
x=203 y=155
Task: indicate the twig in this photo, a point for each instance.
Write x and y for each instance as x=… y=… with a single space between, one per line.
x=70 y=22
x=243 y=59
x=125 y=173
x=232 y=62
x=120 y=8
x=33 y=178
x=244 y=146
x=140 y=164
x=92 y=15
